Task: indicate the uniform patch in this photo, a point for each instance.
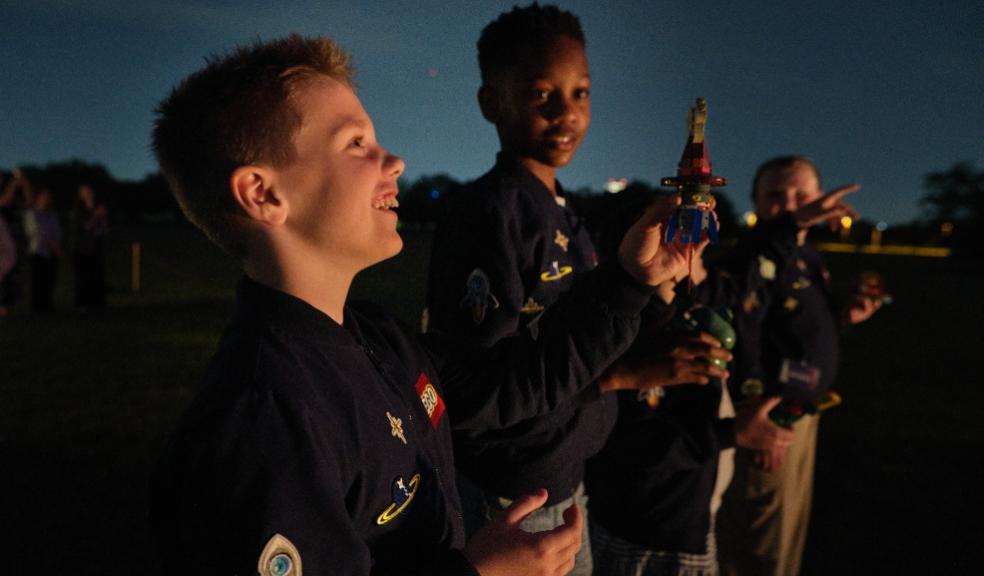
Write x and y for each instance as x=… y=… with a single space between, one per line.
x=396 y=427
x=531 y=307
x=767 y=268
x=561 y=240
x=279 y=558
x=801 y=264
x=432 y=401
x=555 y=272
x=478 y=295
x=403 y=493
x=802 y=283
x=752 y=387
x=791 y=304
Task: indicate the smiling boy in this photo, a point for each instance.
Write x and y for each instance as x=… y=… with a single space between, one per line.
x=508 y=247
x=320 y=439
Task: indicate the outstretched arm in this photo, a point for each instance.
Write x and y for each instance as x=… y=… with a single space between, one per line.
x=828 y=208
x=570 y=345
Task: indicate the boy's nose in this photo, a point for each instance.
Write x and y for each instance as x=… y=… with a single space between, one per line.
x=394 y=165
x=562 y=108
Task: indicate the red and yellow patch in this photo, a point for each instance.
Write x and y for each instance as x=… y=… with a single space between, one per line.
x=432 y=401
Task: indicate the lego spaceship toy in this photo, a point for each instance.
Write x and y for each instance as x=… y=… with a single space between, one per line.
x=694 y=220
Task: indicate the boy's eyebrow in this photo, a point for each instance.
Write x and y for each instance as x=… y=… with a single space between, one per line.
x=350 y=123
x=545 y=77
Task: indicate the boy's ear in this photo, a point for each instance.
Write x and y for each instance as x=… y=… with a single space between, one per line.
x=488 y=102
x=252 y=188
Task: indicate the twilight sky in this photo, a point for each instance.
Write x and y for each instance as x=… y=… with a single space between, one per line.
x=877 y=92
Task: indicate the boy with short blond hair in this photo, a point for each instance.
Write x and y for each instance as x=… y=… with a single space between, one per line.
x=320 y=439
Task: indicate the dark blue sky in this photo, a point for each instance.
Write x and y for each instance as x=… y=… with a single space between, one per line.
x=877 y=92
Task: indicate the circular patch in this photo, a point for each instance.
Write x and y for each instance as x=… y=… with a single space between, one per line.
x=279 y=558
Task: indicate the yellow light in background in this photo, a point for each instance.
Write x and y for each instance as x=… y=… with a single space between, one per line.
x=750 y=219
x=845 y=229
x=946 y=229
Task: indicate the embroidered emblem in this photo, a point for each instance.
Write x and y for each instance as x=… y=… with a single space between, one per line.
x=802 y=283
x=279 y=558
x=801 y=265
x=556 y=272
x=396 y=427
x=752 y=387
x=561 y=240
x=790 y=304
x=531 y=307
x=767 y=268
x=478 y=296
x=432 y=401
x=403 y=493
x=750 y=303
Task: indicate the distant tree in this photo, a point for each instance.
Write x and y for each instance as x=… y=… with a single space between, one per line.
x=956 y=206
x=420 y=201
x=64 y=179
x=955 y=195
x=148 y=198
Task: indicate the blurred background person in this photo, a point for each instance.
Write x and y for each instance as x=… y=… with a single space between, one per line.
x=90 y=224
x=44 y=244
x=14 y=190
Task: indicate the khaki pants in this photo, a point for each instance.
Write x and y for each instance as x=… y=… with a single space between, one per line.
x=762 y=523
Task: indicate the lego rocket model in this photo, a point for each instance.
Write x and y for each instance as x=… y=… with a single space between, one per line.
x=694 y=219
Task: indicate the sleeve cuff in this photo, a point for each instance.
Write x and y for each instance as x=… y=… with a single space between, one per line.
x=622 y=293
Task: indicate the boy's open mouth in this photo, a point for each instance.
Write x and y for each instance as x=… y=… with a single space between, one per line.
x=387 y=202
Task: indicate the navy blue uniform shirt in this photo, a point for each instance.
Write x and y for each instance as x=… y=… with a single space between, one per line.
x=504 y=251
x=653 y=481
x=329 y=446
x=779 y=292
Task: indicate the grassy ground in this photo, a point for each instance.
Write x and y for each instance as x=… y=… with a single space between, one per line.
x=87 y=399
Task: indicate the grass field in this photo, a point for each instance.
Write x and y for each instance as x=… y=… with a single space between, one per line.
x=86 y=401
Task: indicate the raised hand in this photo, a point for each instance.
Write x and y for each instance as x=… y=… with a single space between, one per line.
x=643 y=252
x=859 y=309
x=829 y=207
x=502 y=548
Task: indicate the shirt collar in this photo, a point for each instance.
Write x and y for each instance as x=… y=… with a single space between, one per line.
x=509 y=165
x=291 y=315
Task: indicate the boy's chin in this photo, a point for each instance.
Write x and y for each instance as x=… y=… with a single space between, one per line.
x=392 y=247
x=556 y=159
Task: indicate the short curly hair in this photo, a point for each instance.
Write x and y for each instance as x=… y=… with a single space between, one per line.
x=237 y=111
x=506 y=41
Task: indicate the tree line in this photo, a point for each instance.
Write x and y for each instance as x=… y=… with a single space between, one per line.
x=953 y=202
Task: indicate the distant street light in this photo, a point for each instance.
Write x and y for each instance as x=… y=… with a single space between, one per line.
x=846 y=222
x=616 y=185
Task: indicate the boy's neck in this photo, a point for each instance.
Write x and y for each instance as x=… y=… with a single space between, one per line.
x=323 y=287
x=544 y=173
